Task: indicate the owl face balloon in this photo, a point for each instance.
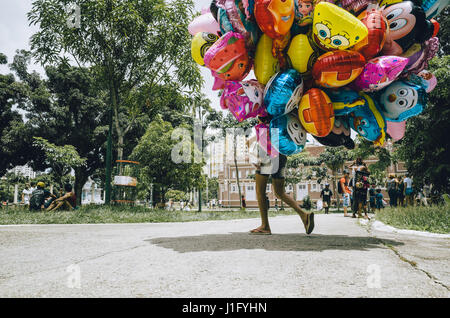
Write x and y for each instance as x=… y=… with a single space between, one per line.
x=380 y=72
x=402 y=100
x=368 y=122
x=287 y=135
x=228 y=57
x=336 y=29
x=243 y=99
x=283 y=92
x=201 y=42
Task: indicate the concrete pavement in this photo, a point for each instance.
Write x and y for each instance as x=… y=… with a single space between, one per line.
x=219 y=259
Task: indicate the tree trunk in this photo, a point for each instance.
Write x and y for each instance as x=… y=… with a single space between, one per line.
x=80 y=179
x=237 y=171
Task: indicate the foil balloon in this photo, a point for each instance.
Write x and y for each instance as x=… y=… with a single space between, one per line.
x=424 y=79
x=316 y=112
x=275 y=17
x=204 y=23
x=407 y=25
x=302 y=55
x=234 y=19
x=402 y=100
x=263 y=139
x=433 y=7
x=345 y=100
x=337 y=68
x=287 y=135
x=340 y=135
x=283 y=92
x=380 y=72
x=377 y=27
x=243 y=99
x=304 y=10
x=201 y=42
x=396 y=129
x=228 y=57
x=368 y=121
x=355 y=7
x=265 y=64
x=419 y=60
x=218 y=82
x=335 y=28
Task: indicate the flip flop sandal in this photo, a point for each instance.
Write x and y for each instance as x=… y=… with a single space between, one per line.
x=259 y=232
x=310 y=226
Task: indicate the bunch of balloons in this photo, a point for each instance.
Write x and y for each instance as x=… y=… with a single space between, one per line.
x=322 y=67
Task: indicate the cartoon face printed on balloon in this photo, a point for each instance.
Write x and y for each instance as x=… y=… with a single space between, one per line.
x=380 y=72
x=402 y=100
x=304 y=12
x=377 y=27
x=369 y=122
x=338 y=68
x=274 y=17
x=287 y=134
x=407 y=25
x=340 y=135
x=336 y=29
x=316 y=112
x=283 y=92
x=201 y=42
x=243 y=99
x=228 y=57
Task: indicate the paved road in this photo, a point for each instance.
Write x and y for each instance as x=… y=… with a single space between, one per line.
x=219 y=259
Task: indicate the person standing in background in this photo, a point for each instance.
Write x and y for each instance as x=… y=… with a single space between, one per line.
x=326 y=197
x=392 y=188
x=345 y=191
x=401 y=192
x=409 y=192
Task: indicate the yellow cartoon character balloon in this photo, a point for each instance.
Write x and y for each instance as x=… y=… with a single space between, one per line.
x=335 y=28
x=301 y=54
x=201 y=42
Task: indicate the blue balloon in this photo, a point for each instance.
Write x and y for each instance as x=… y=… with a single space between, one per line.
x=287 y=134
x=345 y=100
x=283 y=92
x=402 y=100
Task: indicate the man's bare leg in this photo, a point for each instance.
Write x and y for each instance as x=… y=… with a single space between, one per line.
x=261 y=184
x=278 y=186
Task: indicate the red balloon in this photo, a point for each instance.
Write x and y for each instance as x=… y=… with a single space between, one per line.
x=275 y=17
x=338 y=68
x=377 y=25
x=316 y=112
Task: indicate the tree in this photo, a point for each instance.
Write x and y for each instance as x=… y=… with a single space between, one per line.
x=154 y=152
x=425 y=148
x=61 y=159
x=297 y=169
x=13 y=143
x=128 y=43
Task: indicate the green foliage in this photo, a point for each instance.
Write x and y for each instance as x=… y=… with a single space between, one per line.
x=176 y=195
x=307 y=204
x=426 y=146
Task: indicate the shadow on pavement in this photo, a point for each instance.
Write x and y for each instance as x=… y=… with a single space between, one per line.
x=275 y=242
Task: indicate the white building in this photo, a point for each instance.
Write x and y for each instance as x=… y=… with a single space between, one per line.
x=24 y=171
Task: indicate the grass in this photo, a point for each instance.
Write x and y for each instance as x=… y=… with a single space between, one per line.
x=434 y=219
x=123 y=214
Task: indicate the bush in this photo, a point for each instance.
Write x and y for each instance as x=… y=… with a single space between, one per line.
x=307 y=204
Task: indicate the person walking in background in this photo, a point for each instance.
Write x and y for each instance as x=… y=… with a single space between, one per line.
x=379 y=200
x=401 y=192
x=392 y=188
x=372 y=195
x=326 y=194
x=244 y=204
x=345 y=191
x=409 y=192
x=26 y=194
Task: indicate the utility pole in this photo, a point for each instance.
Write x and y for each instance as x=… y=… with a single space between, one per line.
x=109 y=159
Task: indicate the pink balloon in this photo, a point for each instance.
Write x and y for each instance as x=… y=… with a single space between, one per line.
x=263 y=139
x=396 y=129
x=205 y=10
x=204 y=23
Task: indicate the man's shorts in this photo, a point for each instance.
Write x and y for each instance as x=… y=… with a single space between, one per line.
x=346 y=200
x=275 y=167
